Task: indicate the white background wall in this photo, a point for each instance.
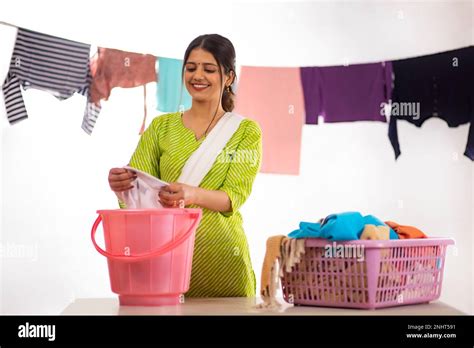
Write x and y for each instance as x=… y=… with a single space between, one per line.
x=54 y=176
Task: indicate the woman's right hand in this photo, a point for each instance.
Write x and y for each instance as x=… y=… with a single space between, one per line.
x=120 y=179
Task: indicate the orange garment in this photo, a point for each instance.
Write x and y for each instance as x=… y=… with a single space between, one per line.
x=406 y=232
x=274 y=98
x=112 y=68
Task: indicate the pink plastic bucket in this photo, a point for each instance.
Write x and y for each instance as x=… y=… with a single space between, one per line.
x=391 y=273
x=149 y=253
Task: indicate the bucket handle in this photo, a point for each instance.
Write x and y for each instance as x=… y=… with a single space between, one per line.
x=158 y=252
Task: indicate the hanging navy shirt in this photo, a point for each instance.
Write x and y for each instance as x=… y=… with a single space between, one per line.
x=438 y=85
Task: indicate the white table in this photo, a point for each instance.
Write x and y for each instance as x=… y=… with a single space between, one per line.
x=242 y=306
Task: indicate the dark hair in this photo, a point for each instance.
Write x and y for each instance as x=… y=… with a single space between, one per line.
x=224 y=53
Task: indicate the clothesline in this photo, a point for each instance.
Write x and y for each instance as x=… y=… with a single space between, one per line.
x=413 y=90
x=314 y=65
x=291 y=96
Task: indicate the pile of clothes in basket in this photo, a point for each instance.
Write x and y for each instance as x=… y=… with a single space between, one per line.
x=332 y=279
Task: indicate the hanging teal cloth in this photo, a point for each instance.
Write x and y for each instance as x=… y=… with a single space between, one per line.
x=170 y=86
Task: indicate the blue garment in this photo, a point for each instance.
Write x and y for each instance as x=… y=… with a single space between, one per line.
x=343 y=226
x=170 y=86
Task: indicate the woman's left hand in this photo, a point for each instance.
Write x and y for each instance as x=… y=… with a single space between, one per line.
x=177 y=195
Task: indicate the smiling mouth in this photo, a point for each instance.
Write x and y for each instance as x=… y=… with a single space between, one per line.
x=199 y=86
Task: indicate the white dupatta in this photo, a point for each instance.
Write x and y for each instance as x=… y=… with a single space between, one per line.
x=146 y=187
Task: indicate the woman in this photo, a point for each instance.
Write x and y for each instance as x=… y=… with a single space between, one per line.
x=221 y=262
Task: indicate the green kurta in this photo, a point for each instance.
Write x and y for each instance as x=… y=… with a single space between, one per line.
x=221 y=262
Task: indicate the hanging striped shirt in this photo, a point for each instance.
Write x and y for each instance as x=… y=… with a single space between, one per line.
x=52 y=64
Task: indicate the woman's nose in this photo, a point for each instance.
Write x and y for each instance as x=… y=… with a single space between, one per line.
x=198 y=74
x=198 y=77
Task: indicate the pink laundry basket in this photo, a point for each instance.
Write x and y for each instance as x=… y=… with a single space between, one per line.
x=392 y=273
x=149 y=253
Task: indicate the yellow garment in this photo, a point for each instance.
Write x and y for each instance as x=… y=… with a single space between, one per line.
x=268 y=277
x=292 y=250
x=372 y=232
x=288 y=252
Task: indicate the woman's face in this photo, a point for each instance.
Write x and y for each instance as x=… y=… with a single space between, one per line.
x=201 y=76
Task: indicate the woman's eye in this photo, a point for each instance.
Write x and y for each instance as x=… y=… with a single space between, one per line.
x=209 y=71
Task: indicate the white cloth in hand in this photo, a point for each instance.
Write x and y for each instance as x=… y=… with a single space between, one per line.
x=144 y=194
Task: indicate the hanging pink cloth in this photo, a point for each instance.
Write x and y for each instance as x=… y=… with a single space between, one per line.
x=115 y=68
x=274 y=98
